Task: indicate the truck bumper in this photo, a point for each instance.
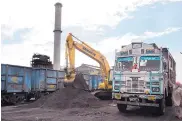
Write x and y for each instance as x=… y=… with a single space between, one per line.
x=137 y=103
x=137 y=99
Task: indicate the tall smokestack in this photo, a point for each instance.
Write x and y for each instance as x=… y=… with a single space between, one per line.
x=57 y=36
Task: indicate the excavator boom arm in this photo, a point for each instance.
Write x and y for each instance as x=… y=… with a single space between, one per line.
x=71 y=45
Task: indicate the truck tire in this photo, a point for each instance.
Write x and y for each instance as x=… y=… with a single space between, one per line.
x=28 y=98
x=37 y=95
x=162 y=107
x=169 y=100
x=122 y=107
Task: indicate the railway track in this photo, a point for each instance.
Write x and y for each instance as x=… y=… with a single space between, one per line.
x=17 y=104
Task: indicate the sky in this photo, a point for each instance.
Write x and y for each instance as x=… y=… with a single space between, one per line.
x=27 y=27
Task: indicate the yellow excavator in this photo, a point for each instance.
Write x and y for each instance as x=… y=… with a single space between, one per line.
x=104 y=91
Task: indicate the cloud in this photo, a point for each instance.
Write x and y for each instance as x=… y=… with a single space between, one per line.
x=7 y=32
x=148 y=34
x=117 y=42
x=88 y=14
x=40 y=19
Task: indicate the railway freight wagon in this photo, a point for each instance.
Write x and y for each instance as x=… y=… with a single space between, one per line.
x=45 y=81
x=95 y=80
x=15 y=83
x=19 y=83
x=92 y=81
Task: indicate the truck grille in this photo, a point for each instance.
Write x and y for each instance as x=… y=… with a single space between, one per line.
x=135 y=86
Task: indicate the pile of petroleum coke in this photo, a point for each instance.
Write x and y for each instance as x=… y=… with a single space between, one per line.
x=69 y=97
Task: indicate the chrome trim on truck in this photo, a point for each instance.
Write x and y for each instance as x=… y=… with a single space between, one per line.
x=142 y=96
x=138 y=103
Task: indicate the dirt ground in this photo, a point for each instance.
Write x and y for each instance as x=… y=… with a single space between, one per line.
x=107 y=113
x=75 y=104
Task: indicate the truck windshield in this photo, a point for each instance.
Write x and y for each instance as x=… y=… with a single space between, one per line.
x=149 y=63
x=124 y=63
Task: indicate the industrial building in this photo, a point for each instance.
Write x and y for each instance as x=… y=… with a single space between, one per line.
x=88 y=69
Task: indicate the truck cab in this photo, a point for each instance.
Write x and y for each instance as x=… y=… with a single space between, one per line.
x=140 y=77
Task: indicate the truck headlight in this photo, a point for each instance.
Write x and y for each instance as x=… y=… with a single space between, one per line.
x=116 y=87
x=155 y=89
x=122 y=90
x=160 y=79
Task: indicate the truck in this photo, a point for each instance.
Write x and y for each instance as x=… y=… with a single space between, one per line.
x=141 y=77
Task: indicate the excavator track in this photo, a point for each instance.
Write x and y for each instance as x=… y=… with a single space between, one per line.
x=103 y=94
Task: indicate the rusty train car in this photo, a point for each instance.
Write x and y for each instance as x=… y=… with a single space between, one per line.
x=19 y=83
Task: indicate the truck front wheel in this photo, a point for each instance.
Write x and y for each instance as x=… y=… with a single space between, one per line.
x=122 y=107
x=162 y=107
x=169 y=100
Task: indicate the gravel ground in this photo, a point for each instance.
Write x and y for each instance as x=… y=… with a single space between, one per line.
x=107 y=113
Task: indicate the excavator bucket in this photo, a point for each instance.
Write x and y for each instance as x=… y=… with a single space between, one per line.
x=103 y=94
x=77 y=82
x=68 y=81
